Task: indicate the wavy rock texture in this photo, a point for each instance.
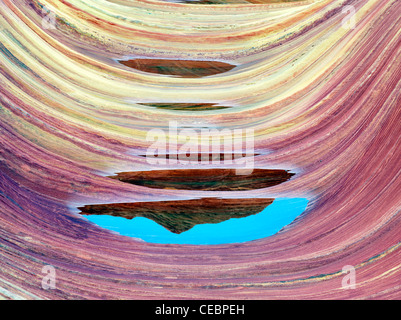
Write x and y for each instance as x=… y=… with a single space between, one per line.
x=323 y=100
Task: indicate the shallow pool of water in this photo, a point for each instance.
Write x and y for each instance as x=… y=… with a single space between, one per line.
x=236 y=230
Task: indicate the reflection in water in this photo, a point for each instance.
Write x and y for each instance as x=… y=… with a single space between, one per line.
x=205 y=179
x=182 y=215
x=254 y=226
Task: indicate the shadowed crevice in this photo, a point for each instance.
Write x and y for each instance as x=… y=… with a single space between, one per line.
x=205 y=179
x=181 y=68
x=213 y=2
x=186 y=106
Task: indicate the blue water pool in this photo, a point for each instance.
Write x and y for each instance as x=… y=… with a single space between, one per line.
x=236 y=230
